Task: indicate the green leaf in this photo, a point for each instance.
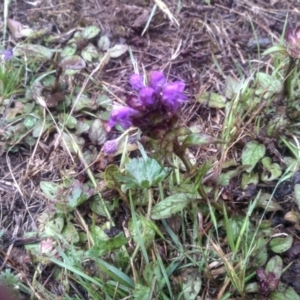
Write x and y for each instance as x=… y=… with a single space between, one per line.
x=103 y=43
x=199 y=139
x=114 y=273
x=81 y=126
x=84 y=102
x=111 y=174
x=152 y=270
x=54 y=227
x=225 y=177
x=141 y=292
x=78 y=194
x=212 y=100
x=288 y=294
x=40 y=127
x=90 y=32
x=98 y=207
x=274 y=170
x=268 y=83
x=103 y=247
x=281 y=244
x=34 y=51
x=171 y=205
x=69 y=50
x=70 y=142
x=191 y=286
x=251 y=178
x=232 y=86
x=49 y=189
x=30 y=121
x=252 y=153
x=260 y=254
x=97 y=132
x=143 y=173
x=70 y=233
x=68 y=120
x=89 y=53
x=266 y=202
x=276 y=49
x=148 y=233
x=275 y=265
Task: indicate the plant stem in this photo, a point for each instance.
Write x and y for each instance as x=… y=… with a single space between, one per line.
x=150 y=203
x=287 y=84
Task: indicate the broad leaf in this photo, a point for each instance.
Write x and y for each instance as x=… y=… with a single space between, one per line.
x=191 y=286
x=212 y=100
x=171 y=205
x=287 y=293
x=103 y=247
x=49 y=189
x=70 y=233
x=273 y=170
x=143 y=173
x=281 y=244
x=145 y=227
x=252 y=153
x=74 y=62
x=97 y=132
x=117 y=50
x=89 y=53
x=141 y=292
x=268 y=83
x=54 y=227
x=199 y=139
x=103 y=43
x=275 y=265
x=232 y=86
x=90 y=32
x=34 y=51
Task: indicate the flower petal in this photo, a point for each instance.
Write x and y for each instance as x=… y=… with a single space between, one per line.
x=110 y=147
x=173 y=95
x=136 y=81
x=8 y=54
x=146 y=96
x=157 y=80
x=122 y=116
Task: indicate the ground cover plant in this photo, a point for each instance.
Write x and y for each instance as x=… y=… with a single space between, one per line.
x=136 y=164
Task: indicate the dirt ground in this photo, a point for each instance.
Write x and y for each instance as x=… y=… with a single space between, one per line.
x=202 y=46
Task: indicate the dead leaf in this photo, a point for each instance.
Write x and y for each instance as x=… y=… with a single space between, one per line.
x=13 y=111
x=15 y=28
x=74 y=62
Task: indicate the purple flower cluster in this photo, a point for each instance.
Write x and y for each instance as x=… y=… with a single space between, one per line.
x=151 y=104
x=292 y=38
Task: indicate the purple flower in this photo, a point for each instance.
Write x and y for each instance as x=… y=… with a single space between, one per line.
x=8 y=54
x=157 y=80
x=292 y=38
x=146 y=96
x=110 y=147
x=173 y=95
x=136 y=81
x=122 y=115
